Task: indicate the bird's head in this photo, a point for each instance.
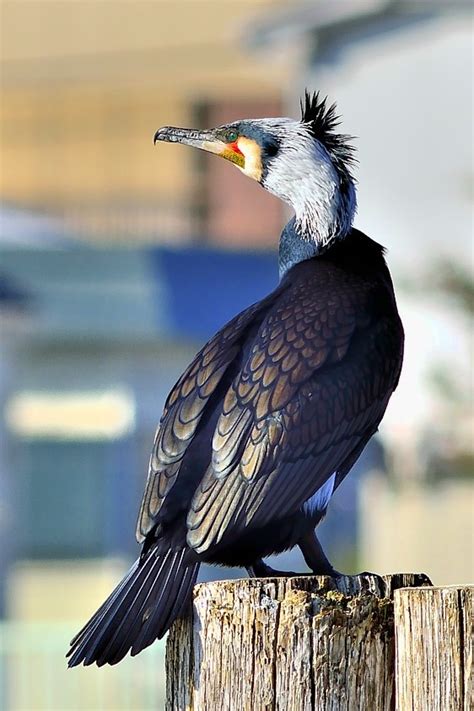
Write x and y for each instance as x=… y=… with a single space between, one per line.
x=306 y=163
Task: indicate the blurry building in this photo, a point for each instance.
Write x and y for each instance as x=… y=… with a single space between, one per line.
x=130 y=257
x=85 y=86
x=14 y=307
x=111 y=331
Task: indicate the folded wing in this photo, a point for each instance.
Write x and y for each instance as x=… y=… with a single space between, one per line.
x=183 y=411
x=311 y=392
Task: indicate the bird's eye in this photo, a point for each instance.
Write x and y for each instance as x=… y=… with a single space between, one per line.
x=231 y=136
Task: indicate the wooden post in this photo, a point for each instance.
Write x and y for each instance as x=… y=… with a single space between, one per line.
x=434 y=630
x=309 y=643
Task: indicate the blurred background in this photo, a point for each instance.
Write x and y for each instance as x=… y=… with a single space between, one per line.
x=118 y=260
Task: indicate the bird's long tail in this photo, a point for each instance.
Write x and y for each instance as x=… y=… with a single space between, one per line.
x=139 y=610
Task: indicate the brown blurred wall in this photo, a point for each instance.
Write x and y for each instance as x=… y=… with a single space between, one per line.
x=86 y=84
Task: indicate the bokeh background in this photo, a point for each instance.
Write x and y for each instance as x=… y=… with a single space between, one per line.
x=118 y=260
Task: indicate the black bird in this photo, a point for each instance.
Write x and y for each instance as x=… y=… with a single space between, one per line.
x=273 y=412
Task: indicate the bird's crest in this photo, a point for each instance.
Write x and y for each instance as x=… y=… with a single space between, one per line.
x=322 y=121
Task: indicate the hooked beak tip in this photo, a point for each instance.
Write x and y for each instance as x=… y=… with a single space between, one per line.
x=170 y=134
x=157 y=137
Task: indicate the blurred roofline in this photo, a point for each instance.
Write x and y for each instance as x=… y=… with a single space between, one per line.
x=321 y=16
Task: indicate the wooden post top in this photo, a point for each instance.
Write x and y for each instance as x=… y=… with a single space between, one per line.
x=307 y=643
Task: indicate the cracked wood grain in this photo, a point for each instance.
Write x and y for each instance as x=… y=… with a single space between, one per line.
x=308 y=643
x=434 y=643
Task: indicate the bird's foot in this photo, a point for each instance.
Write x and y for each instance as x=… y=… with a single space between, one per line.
x=261 y=570
x=368 y=573
x=370 y=576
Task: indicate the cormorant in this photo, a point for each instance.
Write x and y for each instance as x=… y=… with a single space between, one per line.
x=274 y=410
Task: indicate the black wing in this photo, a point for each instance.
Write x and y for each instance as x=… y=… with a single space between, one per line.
x=184 y=409
x=311 y=392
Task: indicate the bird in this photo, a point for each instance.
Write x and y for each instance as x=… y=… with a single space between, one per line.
x=272 y=413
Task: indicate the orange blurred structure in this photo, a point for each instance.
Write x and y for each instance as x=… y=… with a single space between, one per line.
x=85 y=86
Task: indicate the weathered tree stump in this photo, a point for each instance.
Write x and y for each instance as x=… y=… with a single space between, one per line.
x=309 y=643
x=434 y=649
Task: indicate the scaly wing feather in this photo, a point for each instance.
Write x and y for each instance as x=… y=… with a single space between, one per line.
x=297 y=411
x=184 y=409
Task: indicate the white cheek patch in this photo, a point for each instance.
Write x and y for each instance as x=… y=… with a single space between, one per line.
x=253 y=158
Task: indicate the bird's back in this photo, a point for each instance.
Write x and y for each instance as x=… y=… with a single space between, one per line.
x=276 y=384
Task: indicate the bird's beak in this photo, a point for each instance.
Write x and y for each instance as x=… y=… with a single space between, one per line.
x=205 y=140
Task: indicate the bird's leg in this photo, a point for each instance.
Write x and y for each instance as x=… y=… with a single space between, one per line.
x=315 y=557
x=320 y=565
x=313 y=554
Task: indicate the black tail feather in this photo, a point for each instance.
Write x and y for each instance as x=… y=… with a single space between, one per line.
x=95 y=619
x=140 y=609
x=100 y=629
x=167 y=610
x=116 y=630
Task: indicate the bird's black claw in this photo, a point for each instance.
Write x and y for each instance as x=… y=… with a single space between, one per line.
x=262 y=570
